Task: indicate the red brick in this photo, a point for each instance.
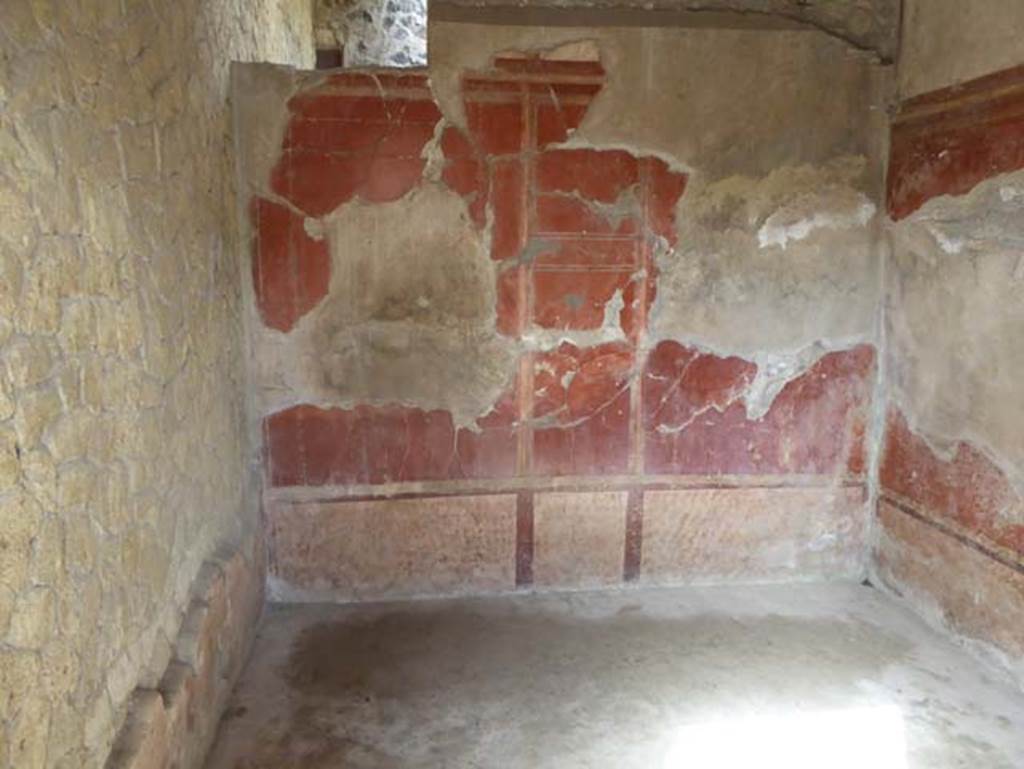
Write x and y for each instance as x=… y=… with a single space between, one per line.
x=508 y=205
x=574 y=299
x=290 y=270
x=497 y=127
x=601 y=175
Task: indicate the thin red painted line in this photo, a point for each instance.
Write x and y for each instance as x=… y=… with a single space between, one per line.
x=651 y=485
x=949 y=531
x=632 y=558
x=524 y=539
x=1000 y=82
x=524 y=453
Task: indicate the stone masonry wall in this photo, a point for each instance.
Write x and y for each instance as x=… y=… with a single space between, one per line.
x=519 y=321
x=123 y=456
x=374 y=33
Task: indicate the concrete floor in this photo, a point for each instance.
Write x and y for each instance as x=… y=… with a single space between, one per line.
x=795 y=676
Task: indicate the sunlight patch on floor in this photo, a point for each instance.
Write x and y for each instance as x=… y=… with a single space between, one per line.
x=857 y=738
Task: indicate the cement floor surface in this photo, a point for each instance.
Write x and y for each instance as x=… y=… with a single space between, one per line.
x=790 y=676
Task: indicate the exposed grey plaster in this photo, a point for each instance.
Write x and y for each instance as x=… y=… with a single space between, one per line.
x=866 y=24
x=736 y=290
x=956 y=320
x=409 y=317
x=948 y=41
x=735 y=118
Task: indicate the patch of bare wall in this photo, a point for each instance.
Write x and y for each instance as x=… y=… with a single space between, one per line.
x=871 y=25
x=374 y=33
x=951 y=517
x=777 y=243
x=955 y=320
x=946 y=42
x=122 y=441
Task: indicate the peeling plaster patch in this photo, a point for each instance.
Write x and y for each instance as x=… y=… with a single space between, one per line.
x=542 y=339
x=409 y=318
x=1008 y=194
x=786 y=225
x=433 y=154
x=755 y=86
x=774 y=372
x=314 y=228
x=956 y=320
x=722 y=287
x=985 y=220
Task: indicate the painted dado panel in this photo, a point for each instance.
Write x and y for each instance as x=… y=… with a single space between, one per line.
x=463 y=380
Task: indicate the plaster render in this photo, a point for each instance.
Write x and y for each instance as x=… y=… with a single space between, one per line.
x=775 y=263
x=753 y=87
x=409 y=317
x=946 y=42
x=869 y=24
x=955 y=320
x=123 y=453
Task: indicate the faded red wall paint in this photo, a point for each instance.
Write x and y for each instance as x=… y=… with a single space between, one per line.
x=357 y=135
x=570 y=229
x=968 y=490
x=290 y=270
x=695 y=420
x=946 y=142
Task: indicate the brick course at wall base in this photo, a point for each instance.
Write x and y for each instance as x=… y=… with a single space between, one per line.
x=379 y=499
x=173 y=725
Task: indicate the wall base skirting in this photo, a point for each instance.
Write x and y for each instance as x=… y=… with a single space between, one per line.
x=957 y=586
x=173 y=726
x=429 y=546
